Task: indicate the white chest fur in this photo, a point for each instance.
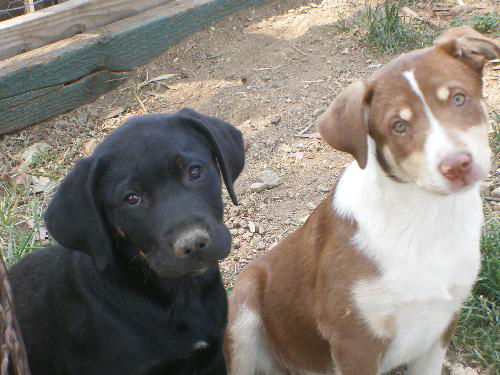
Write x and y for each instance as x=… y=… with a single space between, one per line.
x=426 y=247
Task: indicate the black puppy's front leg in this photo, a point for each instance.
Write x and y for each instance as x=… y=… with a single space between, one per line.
x=218 y=366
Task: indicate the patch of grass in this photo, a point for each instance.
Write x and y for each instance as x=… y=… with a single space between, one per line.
x=485 y=23
x=476 y=338
x=20 y=221
x=388 y=31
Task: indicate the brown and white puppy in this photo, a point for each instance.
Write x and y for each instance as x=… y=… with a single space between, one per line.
x=377 y=275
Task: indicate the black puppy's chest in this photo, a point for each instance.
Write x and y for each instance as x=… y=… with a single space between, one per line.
x=179 y=329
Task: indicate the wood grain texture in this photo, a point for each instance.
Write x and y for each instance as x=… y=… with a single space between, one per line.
x=34 y=30
x=60 y=99
x=61 y=76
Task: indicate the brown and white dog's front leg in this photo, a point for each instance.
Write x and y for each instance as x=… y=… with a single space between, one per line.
x=431 y=362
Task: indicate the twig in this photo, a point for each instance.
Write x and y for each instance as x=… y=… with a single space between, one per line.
x=144 y=110
x=306 y=128
x=298 y=50
x=271 y=68
x=316 y=81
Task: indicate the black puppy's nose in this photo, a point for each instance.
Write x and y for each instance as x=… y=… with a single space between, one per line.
x=190 y=242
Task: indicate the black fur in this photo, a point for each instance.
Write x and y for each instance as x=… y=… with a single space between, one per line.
x=125 y=302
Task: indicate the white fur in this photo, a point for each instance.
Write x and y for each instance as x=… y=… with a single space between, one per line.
x=250 y=350
x=426 y=247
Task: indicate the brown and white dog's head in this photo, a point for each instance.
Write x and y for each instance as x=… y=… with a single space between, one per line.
x=424 y=113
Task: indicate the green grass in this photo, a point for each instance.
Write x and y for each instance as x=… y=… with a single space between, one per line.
x=17 y=208
x=477 y=336
x=485 y=23
x=386 y=30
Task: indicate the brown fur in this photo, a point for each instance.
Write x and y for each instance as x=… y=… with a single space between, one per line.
x=324 y=267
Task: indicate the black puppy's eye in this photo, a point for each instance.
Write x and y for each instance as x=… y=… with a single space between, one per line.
x=133 y=199
x=458 y=100
x=195 y=172
x=400 y=127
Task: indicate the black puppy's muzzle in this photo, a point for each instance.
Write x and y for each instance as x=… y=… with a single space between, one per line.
x=192 y=243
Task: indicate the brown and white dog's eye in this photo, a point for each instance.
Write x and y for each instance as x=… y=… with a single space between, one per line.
x=195 y=172
x=133 y=199
x=400 y=127
x=458 y=100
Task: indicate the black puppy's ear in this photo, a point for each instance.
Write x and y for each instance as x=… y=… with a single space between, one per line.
x=73 y=216
x=227 y=142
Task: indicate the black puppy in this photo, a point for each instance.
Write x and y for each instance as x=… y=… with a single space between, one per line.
x=143 y=293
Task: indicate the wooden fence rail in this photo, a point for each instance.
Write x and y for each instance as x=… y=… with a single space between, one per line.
x=61 y=76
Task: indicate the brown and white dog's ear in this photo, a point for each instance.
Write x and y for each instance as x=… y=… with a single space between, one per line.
x=344 y=124
x=469 y=46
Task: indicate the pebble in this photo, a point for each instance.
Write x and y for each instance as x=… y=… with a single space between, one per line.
x=269 y=180
x=251 y=226
x=460 y=370
x=484 y=187
x=496 y=192
x=276 y=120
x=258 y=186
x=261 y=245
x=323 y=188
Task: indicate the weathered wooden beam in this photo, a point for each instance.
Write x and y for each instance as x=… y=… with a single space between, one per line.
x=61 y=76
x=34 y=30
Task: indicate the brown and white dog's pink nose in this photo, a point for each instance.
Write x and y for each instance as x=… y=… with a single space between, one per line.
x=458 y=168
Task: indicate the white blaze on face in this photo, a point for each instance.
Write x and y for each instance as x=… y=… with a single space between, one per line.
x=438 y=144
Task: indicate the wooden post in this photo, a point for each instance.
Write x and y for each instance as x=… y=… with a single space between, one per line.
x=29 y=6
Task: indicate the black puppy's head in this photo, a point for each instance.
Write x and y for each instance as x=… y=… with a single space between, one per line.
x=152 y=191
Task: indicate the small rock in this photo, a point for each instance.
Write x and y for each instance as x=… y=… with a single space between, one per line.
x=261 y=245
x=323 y=188
x=345 y=52
x=285 y=148
x=276 y=120
x=251 y=226
x=258 y=186
x=496 y=192
x=460 y=370
x=269 y=178
x=41 y=184
x=261 y=229
x=31 y=153
x=298 y=155
x=311 y=205
x=484 y=188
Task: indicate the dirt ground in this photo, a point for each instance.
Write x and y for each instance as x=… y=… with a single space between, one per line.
x=270 y=71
